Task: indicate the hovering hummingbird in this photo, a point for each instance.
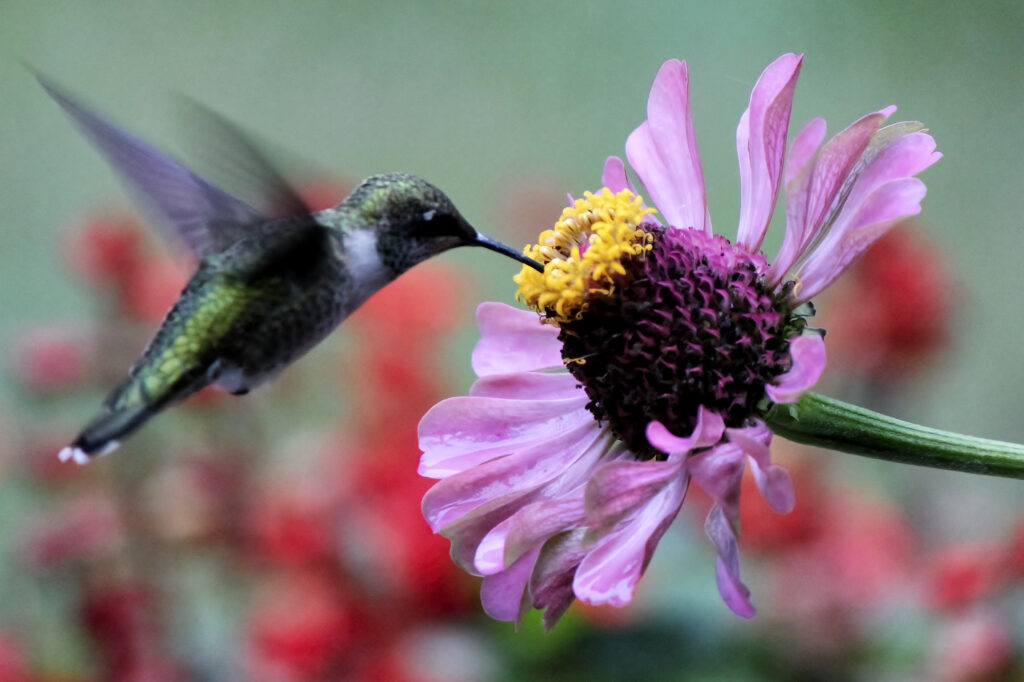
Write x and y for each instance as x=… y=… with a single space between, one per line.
x=269 y=284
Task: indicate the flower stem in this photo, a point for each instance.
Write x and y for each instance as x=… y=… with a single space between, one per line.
x=829 y=423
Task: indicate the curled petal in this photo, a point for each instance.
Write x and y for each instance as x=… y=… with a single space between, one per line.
x=761 y=146
x=611 y=569
x=708 y=431
x=727 y=566
x=773 y=481
x=503 y=594
x=718 y=472
x=897 y=151
x=811 y=195
x=551 y=582
x=776 y=487
x=490 y=553
x=663 y=151
x=734 y=593
x=614 y=175
x=618 y=489
x=513 y=340
x=893 y=201
x=532 y=525
x=808 y=355
x=884 y=193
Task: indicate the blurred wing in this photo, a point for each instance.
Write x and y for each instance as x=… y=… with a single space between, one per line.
x=206 y=218
x=231 y=153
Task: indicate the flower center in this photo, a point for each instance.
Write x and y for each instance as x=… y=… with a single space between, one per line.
x=583 y=253
x=675 y=319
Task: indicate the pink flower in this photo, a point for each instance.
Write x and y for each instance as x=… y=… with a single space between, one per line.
x=558 y=485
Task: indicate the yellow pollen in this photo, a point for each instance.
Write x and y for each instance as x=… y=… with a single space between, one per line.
x=583 y=252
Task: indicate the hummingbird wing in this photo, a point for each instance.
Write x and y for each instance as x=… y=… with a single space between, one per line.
x=231 y=153
x=205 y=217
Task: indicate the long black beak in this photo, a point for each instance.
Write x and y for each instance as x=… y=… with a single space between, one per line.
x=495 y=245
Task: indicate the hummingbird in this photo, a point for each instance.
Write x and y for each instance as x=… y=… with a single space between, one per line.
x=269 y=284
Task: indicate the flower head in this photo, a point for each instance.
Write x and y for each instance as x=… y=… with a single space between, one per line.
x=660 y=347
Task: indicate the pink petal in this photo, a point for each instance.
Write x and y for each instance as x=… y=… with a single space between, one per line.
x=883 y=193
x=897 y=151
x=811 y=194
x=776 y=487
x=808 y=355
x=892 y=202
x=708 y=431
x=727 y=567
x=478 y=507
x=663 y=151
x=513 y=340
x=465 y=431
x=532 y=525
x=761 y=147
x=528 y=386
x=734 y=593
x=803 y=147
x=551 y=582
x=503 y=594
x=469 y=530
x=773 y=481
x=610 y=571
x=519 y=471
x=718 y=472
x=618 y=489
x=614 y=175
x=489 y=557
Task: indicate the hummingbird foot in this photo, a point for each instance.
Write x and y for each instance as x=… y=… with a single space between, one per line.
x=80 y=456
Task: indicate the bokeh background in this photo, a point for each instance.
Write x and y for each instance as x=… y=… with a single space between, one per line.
x=278 y=537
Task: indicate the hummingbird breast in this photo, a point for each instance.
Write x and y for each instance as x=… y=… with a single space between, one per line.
x=288 y=306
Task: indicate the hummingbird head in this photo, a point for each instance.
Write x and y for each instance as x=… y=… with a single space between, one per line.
x=415 y=220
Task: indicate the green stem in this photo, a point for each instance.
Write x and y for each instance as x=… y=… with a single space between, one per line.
x=828 y=423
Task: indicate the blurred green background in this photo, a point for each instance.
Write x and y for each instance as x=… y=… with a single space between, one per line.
x=526 y=99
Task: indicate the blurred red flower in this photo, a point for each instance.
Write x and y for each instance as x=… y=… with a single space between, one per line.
x=76 y=529
x=123 y=621
x=963 y=573
x=974 y=647
x=104 y=248
x=292 y=521
x=51 y=359
x=299 y=629
x=13 y=667
x=396 y=553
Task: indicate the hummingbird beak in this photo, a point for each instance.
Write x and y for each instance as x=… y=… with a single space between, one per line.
x=506 y=250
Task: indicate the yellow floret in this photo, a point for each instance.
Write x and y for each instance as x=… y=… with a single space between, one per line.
x=583 y=253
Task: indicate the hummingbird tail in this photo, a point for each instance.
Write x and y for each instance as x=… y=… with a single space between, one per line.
x=104 y=433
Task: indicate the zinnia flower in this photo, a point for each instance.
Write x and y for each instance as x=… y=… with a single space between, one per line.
x=659 y=348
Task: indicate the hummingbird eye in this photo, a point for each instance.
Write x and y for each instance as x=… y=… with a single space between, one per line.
x=434 y=223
